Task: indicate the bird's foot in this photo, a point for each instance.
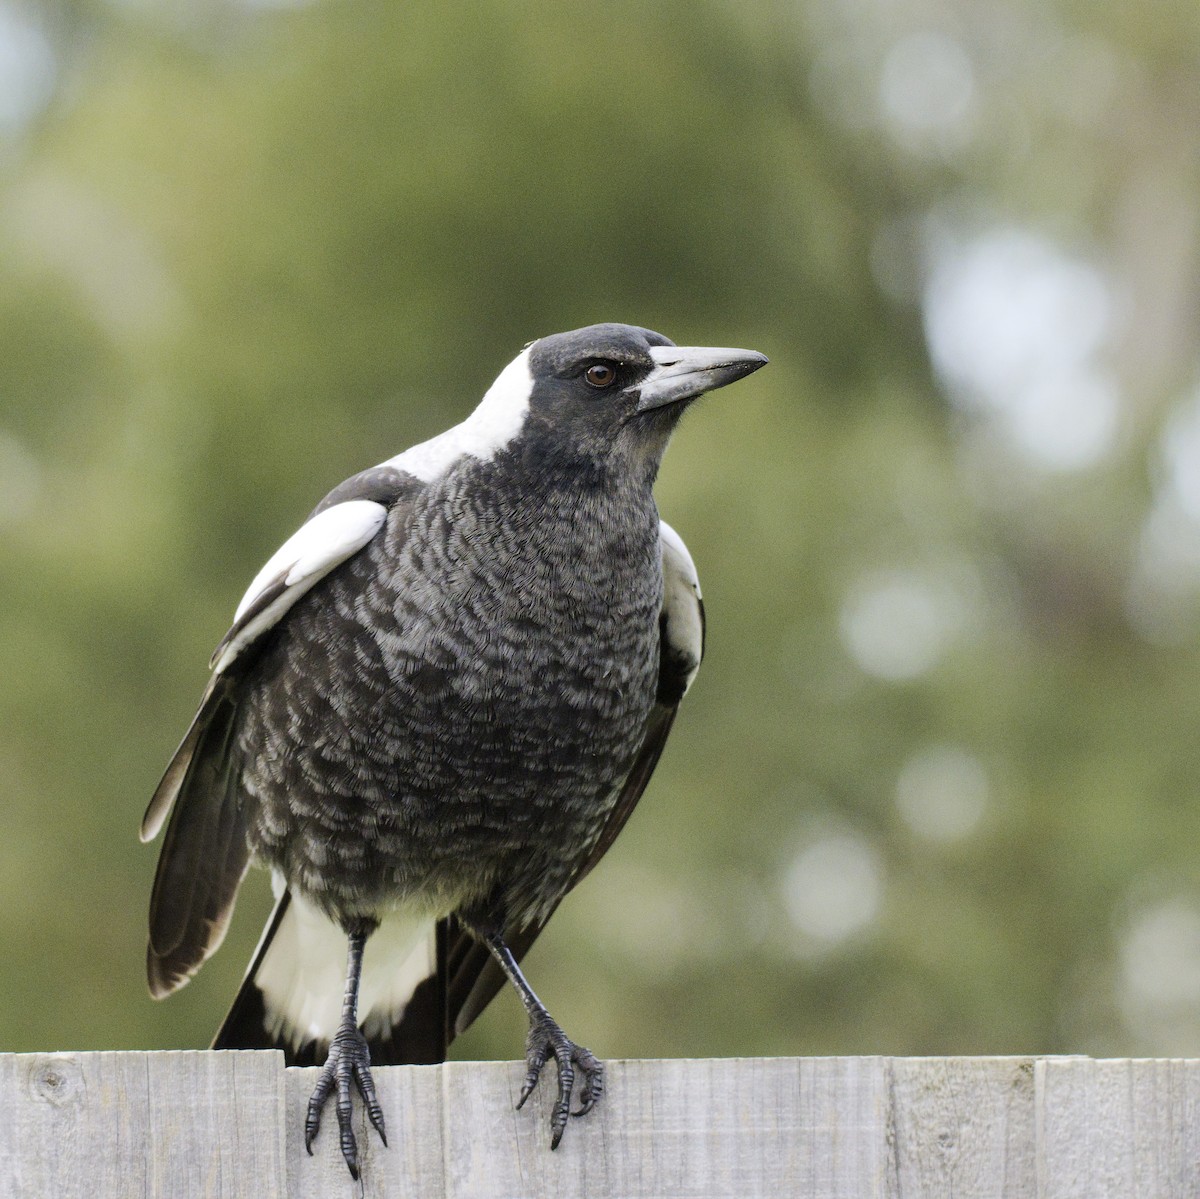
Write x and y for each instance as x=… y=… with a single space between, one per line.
x=546 y=1039
x=349 y=1061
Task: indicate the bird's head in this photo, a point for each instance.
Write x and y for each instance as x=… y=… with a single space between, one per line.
x=612 y=391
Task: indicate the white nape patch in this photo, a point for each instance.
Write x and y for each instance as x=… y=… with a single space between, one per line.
x=681 y=599
x=303 y=973
x=494 y=423
x=302 y=561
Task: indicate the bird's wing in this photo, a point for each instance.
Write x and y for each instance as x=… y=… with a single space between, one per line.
x=472 y=977
x=341 y=524
x=204 y=854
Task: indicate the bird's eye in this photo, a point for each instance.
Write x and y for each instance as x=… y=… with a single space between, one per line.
x=601 y=374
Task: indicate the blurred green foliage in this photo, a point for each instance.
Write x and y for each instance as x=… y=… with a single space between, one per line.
x=935 y=790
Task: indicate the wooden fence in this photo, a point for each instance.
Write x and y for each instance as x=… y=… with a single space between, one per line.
x=162 y=1125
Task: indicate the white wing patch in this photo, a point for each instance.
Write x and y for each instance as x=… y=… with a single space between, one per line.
x=296 y=567
x=494 y=423
x=681 y=602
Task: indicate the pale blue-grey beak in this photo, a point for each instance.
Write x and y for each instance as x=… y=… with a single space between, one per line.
x=684 y=372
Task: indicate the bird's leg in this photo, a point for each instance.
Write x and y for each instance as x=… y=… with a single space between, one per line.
x=349 y=1061
x=546 y=1038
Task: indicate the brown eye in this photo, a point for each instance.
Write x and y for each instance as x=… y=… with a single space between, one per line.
x=601 y=374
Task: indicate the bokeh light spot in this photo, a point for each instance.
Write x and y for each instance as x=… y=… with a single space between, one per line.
x=897 y=625
x=1159 y=984
x=833 y=887
x=27 y=69
x=1016 y=328
x=927 y=85
x=942 y=793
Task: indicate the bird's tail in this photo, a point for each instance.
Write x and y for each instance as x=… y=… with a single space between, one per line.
x=291 y=997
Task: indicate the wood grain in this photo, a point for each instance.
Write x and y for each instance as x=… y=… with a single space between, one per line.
x=964 y=1126
x=1118 y=1129
x=95 y=1125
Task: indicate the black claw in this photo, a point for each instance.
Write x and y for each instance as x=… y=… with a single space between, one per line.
x=312 y=1121
x=348 y=1064
x=366 y=1088
x=593 y=1080
x=537 y=1051
x=546 y=1039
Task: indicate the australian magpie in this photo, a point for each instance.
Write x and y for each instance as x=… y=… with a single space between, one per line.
x=437 y=706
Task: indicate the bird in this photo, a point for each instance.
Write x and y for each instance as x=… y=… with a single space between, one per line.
x=437 y=705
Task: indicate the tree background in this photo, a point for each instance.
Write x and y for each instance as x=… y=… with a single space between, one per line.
x=936 y=788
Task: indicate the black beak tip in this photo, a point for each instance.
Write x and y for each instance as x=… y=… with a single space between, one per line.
x=748 y=363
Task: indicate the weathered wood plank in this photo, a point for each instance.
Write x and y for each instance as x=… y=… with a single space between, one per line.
x=699 y=1129
x=1118 y=1129
x=964 y=1126
x=101 y=1125
x=665 y=1129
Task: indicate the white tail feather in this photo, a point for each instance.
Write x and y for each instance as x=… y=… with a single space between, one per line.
x=303 y=973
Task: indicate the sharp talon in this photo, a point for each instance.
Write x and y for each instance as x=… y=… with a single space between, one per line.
x=375 y=1115
x=376 y=1118
x=546 y=1039
x=366 y=1088
x=593 y=1082
x=535 y=1063
x=347 y=1067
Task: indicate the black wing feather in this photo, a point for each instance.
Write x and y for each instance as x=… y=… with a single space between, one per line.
x=204 y=855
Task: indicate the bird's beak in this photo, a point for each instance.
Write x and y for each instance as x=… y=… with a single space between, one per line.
x=684 y=372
